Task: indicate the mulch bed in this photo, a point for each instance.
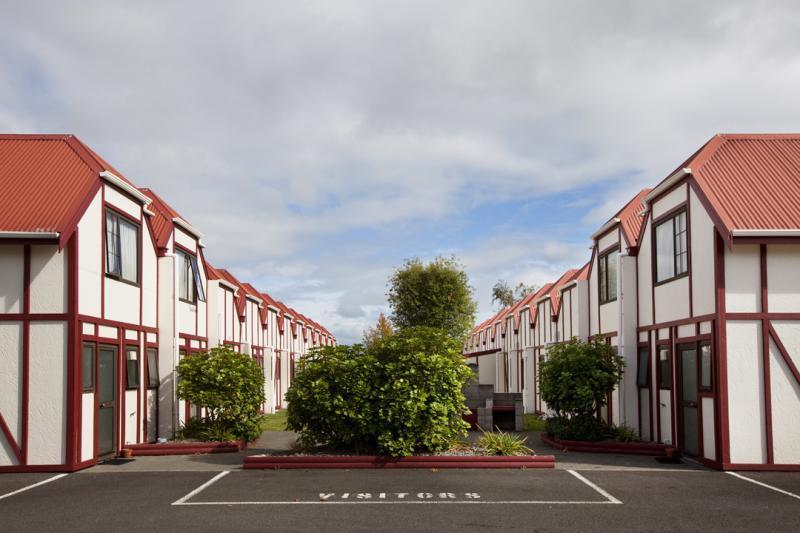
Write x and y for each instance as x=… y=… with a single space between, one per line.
x=607 y=446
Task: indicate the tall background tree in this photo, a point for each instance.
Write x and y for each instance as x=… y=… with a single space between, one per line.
x=503 y=294
x=382 y=329
x=435 y=294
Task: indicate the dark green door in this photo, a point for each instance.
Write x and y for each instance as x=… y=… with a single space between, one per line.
x=688 y=401
x=106 y=399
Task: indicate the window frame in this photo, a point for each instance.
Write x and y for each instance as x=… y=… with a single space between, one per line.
x=670 y=218
x=84 y=386
x=602 y=275
x=150 y=385
x=191 y=265
x=137 y=376
x=123 y=217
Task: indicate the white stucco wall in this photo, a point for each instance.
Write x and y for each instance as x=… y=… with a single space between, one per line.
x=87 y=426
x=48 y=279
x=668 y=201
x=743 y=278
x=10 y=385
x=785 y=395
x=12 y=278
x=47 y=411
x=152 y=422
x=121 y=202
x=709 y=440
x=486 y=369
x=783 y=282
x=121 y=301
x=149 y=280
x=672 y=300
x=185 y=240
x=129 y=416
x=610 y=239
x=187 y=315
x=644 y=430
x=702 y=248
x=644 y=276
x=90 y=258
x=746 y=401
x=608 y=317
x=594 y=300
x=665 y=406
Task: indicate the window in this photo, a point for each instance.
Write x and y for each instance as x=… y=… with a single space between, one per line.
x=672 y=249
x=131 y=368
x=642 y=371
x=88 y=367
x=152 y=368
x=190 y=286
x=664 y=369
x=122 y=248
x=706 y=371
x=607 y=275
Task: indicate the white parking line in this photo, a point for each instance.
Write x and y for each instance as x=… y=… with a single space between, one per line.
x=201 y=488
x=611 y=499
x=29 y=487
x=776 y=489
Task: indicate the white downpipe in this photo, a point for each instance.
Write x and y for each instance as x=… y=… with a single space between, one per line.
x=621 y=339
x=175 y=337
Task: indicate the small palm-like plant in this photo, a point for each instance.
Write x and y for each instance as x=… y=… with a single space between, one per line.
x=502 y=443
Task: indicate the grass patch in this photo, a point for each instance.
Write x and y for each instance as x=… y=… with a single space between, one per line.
x=501 y=443
x=532 y=422
x=274 y=422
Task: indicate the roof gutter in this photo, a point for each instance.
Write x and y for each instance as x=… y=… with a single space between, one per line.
x=178 y=221
x=765 y=233
x=605 y=227
x=29 y=234
x=125 y=186
x=230 y=285
x=666 y=184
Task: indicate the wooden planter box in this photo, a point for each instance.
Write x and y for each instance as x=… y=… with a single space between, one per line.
x=629 y=448
x=373 y=461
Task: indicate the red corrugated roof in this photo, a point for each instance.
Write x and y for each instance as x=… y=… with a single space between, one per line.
x=555 y=293
x=241 y=298
x=752 y=181
x=162 y=221
x=631 y=219
x=47 y=182
x=533 y=310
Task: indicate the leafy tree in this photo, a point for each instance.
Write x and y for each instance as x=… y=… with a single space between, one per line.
x=381 y=330
x=402 y=395
x=574 y=382
x=229 y=385
x=436 y=294
x=506 y=296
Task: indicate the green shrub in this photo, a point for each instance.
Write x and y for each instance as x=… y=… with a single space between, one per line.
x=574 y=382
x=625 y=433
x=204 y=429
x=402 y=395
x=231 y=388
x=501 y=443
x=584 y=427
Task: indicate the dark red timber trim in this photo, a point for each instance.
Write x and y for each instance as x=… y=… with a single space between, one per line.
x=47 y=468
x=74 y=388
x=103 y=253
x=681 y=322
x=10 y=438
x=372 y=461
x=689 y=249
x=26 y=349
x=765 y=355
x=759 y=466
x=784 y=353
x=722 y=346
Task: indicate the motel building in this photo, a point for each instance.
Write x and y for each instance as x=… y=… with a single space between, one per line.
x=104 y=287
x=695 y=284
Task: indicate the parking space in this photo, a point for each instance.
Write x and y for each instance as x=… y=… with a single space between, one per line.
x=13 y=484
x=403 y=500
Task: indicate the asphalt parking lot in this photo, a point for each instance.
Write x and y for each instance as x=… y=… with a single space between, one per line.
x=669 y=499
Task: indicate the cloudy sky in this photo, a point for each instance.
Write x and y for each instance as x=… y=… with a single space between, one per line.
x=319 y=144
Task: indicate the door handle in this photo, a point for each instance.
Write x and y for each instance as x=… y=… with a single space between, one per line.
x=690 y=404
x=106 y=404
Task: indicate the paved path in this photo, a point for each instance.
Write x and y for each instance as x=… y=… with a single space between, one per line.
x=587 y=492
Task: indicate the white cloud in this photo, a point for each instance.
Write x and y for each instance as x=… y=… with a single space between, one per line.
x=285 y=130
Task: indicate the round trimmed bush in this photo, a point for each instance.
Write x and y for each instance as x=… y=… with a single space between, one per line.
x=402 y=395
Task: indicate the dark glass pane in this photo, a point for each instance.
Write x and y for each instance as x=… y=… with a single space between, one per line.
x=641 y=378
x=665 y=370
x=152 y=368
x=689 y=374
x=131 y=368
x=611 y=270
x=88 y=367
x=106 y=373
x=705 y=366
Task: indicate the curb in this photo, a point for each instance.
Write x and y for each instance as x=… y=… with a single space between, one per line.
x=627 y=448
x=185 y=448
x=374 y=461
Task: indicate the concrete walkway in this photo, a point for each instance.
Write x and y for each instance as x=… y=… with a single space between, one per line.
x=276 y=442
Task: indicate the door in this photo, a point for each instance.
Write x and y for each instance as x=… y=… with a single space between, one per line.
x=106 y=400
x=688 y=432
